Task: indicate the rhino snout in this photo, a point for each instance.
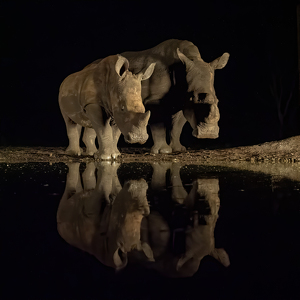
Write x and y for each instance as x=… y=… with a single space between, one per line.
x=136 y=138
x=206 y=131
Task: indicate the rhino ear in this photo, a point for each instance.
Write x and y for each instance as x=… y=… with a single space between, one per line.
x=121 y=66
x=148 y=72
x=220 y=63
x=120 y=259
x=188 y=63
x=148 y=251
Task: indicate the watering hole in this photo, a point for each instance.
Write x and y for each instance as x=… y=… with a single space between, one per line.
x=161 y=230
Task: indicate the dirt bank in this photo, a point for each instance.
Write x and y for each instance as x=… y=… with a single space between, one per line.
x=287 y=150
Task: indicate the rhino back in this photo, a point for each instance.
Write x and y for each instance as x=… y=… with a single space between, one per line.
x=80 y=89
x=167 y=64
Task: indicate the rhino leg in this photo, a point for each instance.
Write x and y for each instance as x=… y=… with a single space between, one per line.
x=159 y=138
x=178 y=121
x=158 y=181
x=115 y=135
x=179 y=194
x=106 y=173
x=101 y=125
x=88 y=138
x=73 y=132
x=73 y=186
x=116 y=185
x=88 y=177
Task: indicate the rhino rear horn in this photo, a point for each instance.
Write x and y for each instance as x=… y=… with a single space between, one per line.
x=221 y=255
x=121 y=66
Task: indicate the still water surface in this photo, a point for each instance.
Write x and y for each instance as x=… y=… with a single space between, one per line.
x=148 y=231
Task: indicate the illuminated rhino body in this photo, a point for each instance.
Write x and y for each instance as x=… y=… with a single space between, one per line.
x=105 y=98
x=181 y=89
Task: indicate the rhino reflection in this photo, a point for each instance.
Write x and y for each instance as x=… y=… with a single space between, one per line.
x=202 y=205
x=115 y=224
x=103 y=218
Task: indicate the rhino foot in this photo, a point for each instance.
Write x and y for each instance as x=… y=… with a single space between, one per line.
x=161 y=149
x=91 y=151
x=102 y=156
x=106 y=156
x=115 y=153
x=74 y=151
x=178 y=148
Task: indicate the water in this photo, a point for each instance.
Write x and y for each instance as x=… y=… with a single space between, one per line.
x=149 y=231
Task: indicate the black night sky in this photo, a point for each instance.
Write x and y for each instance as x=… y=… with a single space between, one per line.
x=42 y=42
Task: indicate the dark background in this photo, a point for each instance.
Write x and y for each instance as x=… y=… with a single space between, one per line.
x=42 y=42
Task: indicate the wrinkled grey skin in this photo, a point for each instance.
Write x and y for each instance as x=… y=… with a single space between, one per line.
x=183 y=94
x=105 y=98
x=199 y=240
x=103 y=218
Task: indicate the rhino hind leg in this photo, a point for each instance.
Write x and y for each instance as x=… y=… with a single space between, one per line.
x=178 y=121
x=73 y=132
x=159 y=138
x=88 y=138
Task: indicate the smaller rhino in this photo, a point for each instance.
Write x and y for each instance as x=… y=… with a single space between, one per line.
x=105 y=98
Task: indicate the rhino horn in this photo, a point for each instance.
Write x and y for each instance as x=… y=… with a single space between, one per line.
x=120 y=261
x=121 y=62
x=145 y=118
x=214 y=115
x=182 y=260
x=222 y=256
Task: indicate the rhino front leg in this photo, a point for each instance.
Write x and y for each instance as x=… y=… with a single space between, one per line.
x=178 y=121
x=158 y=181
x=179 y=193
x=159 y=138
x=88 y=176
x=88 y=138
x=115 y=135
x=101 y=125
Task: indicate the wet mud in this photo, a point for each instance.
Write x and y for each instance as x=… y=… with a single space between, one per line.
x=283 y=151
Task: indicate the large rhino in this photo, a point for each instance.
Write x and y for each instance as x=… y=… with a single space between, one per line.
x=102 y=218
x=105 y=98
x=180 y=92
x=201 y=207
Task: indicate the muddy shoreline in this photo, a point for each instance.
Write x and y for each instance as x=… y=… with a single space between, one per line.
x=284 y=151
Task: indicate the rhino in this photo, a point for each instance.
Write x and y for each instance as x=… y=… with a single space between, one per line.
x=181 y=89
x=201 y=205
x=102 y=218
x=105 y=98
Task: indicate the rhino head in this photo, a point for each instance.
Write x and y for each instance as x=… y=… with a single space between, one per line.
x=128 y=109
x=202 y=110
x=128 y=211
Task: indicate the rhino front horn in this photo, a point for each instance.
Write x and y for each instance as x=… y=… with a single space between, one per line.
x=146 y=117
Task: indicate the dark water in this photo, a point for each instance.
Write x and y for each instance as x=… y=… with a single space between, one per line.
x=142 y=231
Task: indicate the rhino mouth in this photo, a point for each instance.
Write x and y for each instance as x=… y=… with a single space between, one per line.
x=133 y=138
x=206 y=131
